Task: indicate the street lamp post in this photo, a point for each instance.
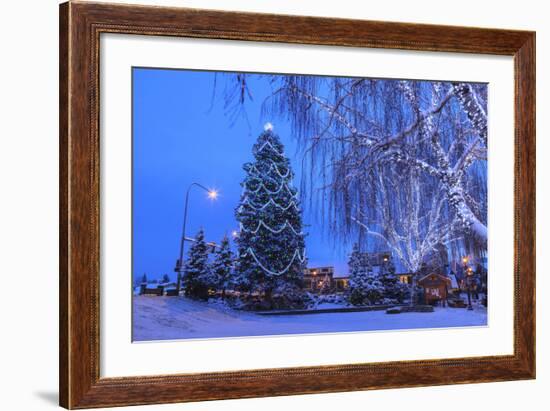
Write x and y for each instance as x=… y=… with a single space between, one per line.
x=467 y=280
x=212 y=194
x=469 y=274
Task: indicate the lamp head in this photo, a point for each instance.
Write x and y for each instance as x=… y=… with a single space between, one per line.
x=212 y=194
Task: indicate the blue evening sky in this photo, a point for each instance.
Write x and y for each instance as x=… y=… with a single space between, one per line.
x=181 y=134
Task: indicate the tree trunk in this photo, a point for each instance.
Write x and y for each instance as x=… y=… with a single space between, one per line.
x=457 y=200
x=268 y=296
x=413 y=290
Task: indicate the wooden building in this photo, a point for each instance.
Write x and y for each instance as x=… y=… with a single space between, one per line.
x=435 y=287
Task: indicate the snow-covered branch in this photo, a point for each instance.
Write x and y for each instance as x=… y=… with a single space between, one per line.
x=472 y=107
x=394 y=149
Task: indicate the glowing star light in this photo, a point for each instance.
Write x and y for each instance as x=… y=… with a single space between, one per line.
x=268 y=126
x=212 y=194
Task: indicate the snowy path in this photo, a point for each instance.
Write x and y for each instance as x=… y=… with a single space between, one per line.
x=169 y=318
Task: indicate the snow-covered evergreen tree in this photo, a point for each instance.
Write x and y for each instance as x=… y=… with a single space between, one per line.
x=393 y=288
x=364 y=287
x=239 y=281
x=144 y=278
x=222 y=266
x=165 y=278
x=358 y=275
x=197 y=275
x=270 y=242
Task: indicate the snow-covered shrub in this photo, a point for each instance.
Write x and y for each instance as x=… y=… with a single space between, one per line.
x=288 y=296
x=393 y=288
x=356 y=297
x=389 y=301
x=374 y=291
x=314 y=300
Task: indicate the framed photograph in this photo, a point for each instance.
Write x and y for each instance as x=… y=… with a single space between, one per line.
x=259 y=205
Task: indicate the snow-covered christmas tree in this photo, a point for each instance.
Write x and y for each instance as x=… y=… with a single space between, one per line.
x=222 y=266
x=198 y=277
x=326 y=286
x=270 y=241
x=364 y=287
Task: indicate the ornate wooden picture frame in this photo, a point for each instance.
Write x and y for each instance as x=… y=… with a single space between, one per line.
x=81 y=24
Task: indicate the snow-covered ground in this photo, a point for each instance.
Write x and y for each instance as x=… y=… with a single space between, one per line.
x=170 y=318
